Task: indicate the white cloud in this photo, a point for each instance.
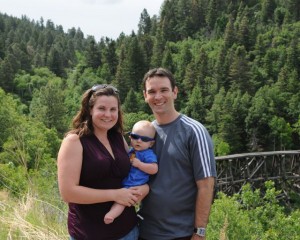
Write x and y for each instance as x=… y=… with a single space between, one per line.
x=100 y=18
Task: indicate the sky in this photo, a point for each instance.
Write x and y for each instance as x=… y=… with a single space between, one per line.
x=99 y=18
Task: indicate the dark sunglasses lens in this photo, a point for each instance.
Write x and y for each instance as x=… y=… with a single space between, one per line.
x=134 y=136
x=143 y=138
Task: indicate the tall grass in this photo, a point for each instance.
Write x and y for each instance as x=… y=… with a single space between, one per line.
x=30 y=218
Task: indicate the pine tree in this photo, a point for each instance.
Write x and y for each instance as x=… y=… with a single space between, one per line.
x=239 y=71
x=212 y=14
x=131 y=101
x=108 y=50
x=48 y=105
x=158 y=48
x=145 y=24
x=168 y=21
x=229 y=35
x=195 y=107
x=55 y=61
x=267 y=10
x=92 y=53
x=243 y=34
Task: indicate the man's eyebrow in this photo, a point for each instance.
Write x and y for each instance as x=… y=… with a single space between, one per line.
x=148 y=90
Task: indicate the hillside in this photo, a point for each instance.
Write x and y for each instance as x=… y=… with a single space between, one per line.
x=237 y=66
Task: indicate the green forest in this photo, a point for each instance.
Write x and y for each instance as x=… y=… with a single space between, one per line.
x=237 y=67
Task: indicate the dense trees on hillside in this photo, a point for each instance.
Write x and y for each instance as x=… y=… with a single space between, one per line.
x=236 y=62
x=237 y=65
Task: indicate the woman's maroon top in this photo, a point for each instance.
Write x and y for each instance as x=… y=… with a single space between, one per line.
x=101 y=171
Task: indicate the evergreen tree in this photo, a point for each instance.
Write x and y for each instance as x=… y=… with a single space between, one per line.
x=185 y=57
x=145 y=25
x=232 y=120
x=7 y=73
x=212 y=13
x=239 y=71
x=109 y=56
x=281 y=133
x=146 y=45
x=136 y=63
x=167 y=60
x=293 y=7
x=221 y=69
x=48 y=105
x=131 y=101
x=243 y=34
x=229 y=35
x=9 y=115
x=213 y=115
x=158 y=48
x=195 y=107
x=279 y=15
x=168 y=21
x=267 y=10
x=55 y=61
x=190 y=78
x=122 y=75
x=92 y=53
x=259 y=116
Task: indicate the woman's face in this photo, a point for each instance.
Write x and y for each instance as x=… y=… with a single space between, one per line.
x=105 y=113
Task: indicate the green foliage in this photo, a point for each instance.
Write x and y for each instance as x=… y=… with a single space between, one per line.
x=9 y=115
x=92 y=53
x=252 y=214
x=131 y=102
x=30 y=145
x=236 y=64
x=13 y=179
x=131 y=118
x=221 y=148
x=195 y=107
x=31 y=218
x=281 y=132
x=47 y=105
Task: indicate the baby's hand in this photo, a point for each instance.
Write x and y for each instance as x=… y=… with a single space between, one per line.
x=135 y=162
x=132 y=156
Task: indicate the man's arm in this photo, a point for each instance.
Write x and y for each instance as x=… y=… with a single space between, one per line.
x=203 y=203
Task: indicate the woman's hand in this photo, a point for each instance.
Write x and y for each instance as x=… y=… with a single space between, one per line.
x=143 y=190
x=127 y=196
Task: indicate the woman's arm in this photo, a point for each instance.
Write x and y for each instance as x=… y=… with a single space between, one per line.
x=126 y=145
x=143 y=189
x=69 y=164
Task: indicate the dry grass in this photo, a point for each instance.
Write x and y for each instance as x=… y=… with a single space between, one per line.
x=223 y=230
x=3 y=196
x=29 y=219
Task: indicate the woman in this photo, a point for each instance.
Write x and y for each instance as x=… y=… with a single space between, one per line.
x=92 y=162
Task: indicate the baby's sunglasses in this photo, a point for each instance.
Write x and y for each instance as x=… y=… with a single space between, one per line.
x=143 y=138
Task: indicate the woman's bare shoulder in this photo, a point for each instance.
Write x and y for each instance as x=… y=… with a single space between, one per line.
x=71 y=137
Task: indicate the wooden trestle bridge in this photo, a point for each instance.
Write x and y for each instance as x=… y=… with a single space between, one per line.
x=282 y=167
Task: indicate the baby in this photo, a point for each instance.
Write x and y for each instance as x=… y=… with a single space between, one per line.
x=143 y=161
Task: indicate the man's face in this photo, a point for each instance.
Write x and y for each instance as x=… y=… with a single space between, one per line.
x=159 y=95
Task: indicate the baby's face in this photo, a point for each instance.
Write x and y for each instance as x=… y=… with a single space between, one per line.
x=141 y=139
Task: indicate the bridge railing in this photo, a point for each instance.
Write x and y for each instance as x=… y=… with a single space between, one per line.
x=234 y=171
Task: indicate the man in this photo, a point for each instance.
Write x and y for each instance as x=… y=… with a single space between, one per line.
x=181 y=193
